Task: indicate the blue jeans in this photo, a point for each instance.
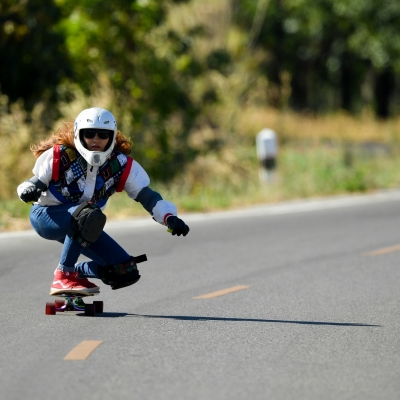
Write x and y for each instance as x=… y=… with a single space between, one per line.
x=54 y=222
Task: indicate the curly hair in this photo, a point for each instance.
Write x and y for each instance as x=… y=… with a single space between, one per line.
x=65 y=135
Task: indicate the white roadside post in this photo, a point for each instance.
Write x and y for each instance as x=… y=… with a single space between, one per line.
x=267 y=151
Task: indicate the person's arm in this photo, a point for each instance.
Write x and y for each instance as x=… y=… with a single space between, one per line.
x=31 y=190
x=162 y=211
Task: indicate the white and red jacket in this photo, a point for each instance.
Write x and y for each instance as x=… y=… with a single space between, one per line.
x=136 y=181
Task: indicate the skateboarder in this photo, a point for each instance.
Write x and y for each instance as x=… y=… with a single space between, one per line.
x=77 y=169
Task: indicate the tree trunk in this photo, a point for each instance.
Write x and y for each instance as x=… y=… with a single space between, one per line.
x=383 y=91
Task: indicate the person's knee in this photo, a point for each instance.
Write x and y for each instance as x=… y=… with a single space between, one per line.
x=87 y=224
x=120 y=275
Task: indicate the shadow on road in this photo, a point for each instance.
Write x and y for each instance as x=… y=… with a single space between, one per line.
x=194 y=318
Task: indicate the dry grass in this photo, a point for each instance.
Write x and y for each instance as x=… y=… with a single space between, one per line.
x=337 y=127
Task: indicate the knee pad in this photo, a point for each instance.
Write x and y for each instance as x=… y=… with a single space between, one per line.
x=121 y=275
x=87 y=223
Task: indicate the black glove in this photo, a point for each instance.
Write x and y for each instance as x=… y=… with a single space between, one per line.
x=177 y=226
x=31 y=193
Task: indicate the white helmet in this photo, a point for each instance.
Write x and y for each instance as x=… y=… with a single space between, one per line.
x=95 y=118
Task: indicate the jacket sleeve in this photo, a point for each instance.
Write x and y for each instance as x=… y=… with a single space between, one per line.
x=137 y=188
x=42 y=170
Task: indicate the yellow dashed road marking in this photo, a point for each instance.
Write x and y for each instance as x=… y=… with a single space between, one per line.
x=222 y=292
x=83 y=350
x=383 y=251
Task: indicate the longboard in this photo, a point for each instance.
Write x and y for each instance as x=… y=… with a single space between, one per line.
x=74 y=302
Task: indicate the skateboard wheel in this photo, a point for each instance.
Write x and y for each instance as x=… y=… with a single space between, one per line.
x=98 y=306
x=59 y=303
x=90 y=309
x=50 y=309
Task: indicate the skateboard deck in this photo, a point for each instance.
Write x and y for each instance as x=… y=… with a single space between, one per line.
x=74 y=302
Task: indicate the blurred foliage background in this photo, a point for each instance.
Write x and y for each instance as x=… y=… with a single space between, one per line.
x=193 y=82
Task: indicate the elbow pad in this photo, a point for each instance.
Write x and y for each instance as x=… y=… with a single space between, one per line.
x=38 y=183
x=148 y=198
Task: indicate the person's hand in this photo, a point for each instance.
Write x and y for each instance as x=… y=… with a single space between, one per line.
x=177 y=226
x=30 y=193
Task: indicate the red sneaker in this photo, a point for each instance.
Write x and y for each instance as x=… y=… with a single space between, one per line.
x=69 y=282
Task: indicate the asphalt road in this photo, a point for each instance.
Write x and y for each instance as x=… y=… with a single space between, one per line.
x=308 y=308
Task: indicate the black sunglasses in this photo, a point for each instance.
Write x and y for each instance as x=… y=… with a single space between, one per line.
x=101 y=133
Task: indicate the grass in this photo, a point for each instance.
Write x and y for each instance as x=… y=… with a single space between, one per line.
x=14 y=215
x=333 y=154
x=302 y=172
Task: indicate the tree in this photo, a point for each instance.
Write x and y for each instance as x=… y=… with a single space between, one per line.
x=149 y=68
x=329 y=47
x=33 y=55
